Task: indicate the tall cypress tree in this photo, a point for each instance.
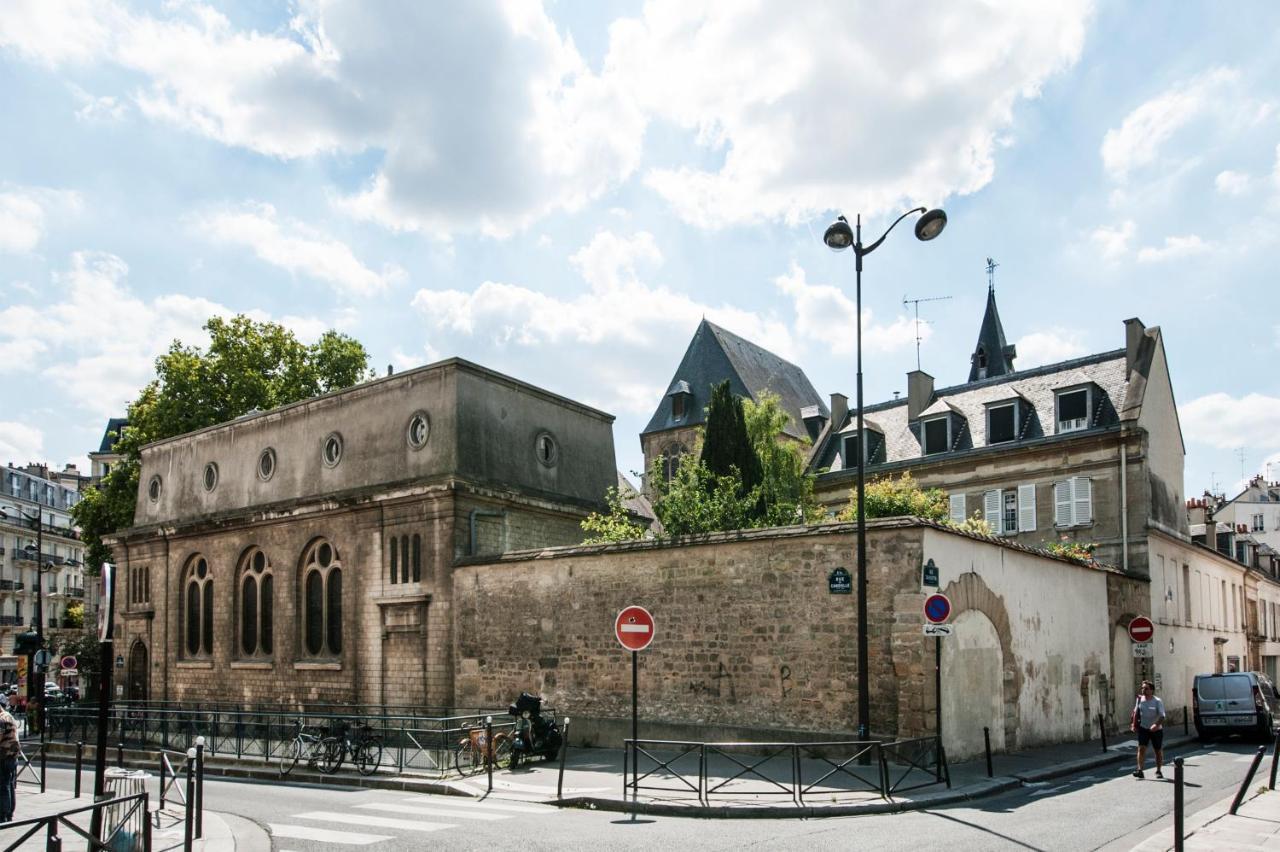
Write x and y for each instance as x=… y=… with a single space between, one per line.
x=726 y=444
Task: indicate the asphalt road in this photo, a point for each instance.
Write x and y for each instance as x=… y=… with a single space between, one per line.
x=1105 y=809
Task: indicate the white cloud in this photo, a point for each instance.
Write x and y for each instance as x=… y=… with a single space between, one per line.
x=803 y=109
x=1049 y=346
x=609 y=262
x=1113 y=242
x=20 y=442
x=23 y=211
x=1231 y=183
x=1138 y=139
x=1226 y=422
x=825 y=316
x=98 y=108
x=295 y=248
x=1174 y=248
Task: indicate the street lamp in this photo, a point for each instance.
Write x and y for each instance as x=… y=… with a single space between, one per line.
x=838 y=237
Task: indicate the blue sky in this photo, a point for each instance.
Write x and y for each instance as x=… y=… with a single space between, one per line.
x=560 y=192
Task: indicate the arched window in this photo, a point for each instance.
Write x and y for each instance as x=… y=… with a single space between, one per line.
x=322 y=600
x=671 y=460
x=395 y=558
x=257 y=604
x=197 y=608
x=417 y=558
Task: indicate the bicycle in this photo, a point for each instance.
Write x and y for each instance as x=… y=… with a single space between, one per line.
x=474 y=754
x=303 y=744
x=365 y=750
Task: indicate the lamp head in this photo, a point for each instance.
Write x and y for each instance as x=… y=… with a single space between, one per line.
x=930 y=225
x=839 y=235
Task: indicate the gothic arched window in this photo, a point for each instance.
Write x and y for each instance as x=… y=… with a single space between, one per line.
x=197 y=608
x=322 y=600
x=257 y=604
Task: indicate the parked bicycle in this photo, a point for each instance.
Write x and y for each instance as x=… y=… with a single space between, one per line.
x=304 y=745
x=364 y=749
x=475 y=753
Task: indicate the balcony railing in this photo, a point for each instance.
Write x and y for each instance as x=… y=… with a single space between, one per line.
x=6 y=585
x=10 y=619
x=76 y=593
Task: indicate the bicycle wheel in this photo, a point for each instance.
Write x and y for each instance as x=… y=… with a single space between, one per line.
x=332 y=751
x=368 y=757
x=289 y=756
x=504 y=756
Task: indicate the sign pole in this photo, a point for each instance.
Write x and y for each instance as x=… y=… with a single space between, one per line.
x=937 y=695
x=635 y=726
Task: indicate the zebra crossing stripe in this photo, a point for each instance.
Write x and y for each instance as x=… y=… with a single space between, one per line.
x=375 y=822
x=457 y=803
x=324 y=835
x=448 y=813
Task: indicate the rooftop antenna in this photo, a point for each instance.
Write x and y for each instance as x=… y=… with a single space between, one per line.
x=916 y=304
x=1240 y=455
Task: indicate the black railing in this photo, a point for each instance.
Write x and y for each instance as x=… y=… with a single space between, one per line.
x=51 y=823
x=794 y=770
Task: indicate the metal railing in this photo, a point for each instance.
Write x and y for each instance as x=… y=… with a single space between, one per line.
x=794 y=770
x=51 y=823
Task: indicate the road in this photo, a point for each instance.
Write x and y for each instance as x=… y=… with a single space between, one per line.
x=1105 y=809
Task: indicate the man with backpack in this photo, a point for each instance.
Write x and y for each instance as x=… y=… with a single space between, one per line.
x=1148 y=721
x=9 y=748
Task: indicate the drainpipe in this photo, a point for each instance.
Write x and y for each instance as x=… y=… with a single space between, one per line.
x=1124 y=502
x=480 y=513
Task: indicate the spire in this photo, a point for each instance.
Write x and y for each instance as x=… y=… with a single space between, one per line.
x=992 y=356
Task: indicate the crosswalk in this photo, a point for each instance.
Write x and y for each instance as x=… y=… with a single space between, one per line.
x=374 y=822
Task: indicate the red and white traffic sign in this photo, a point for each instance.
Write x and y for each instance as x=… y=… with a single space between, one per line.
x=937 y=609
x=1141 y=629
x=634 y=628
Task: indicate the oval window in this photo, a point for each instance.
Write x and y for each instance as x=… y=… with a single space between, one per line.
x=332 y=450
x=419 y=430
x=267 y=464
x=154 y=488
x=546 y=449
x=210 y=476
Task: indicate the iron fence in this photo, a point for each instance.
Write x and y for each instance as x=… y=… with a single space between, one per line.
x=26 y=829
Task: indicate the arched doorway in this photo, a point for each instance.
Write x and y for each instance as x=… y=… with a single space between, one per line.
x=138 y=670
x=973 y=686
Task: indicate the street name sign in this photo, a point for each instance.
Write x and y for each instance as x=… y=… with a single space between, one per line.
x=634 y=628
x=839 y=582
x=929 y=574
x=1141 y=629
x=938 y=630
x=937 y=608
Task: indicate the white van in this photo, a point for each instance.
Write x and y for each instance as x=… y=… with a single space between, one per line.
x=1234 y=703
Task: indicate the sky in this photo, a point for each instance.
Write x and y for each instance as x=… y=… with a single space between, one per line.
x=561 y=192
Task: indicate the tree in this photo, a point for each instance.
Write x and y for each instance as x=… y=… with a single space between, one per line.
x=74 y=616
x=726 y=446
x=889 y=497
x=696 y=500
x=786 y=489
x=614 y=525
x=248 y=365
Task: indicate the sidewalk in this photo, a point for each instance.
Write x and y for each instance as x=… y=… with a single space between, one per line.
x=1255 y=826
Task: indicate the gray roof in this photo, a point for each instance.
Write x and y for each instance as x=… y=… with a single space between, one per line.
x=968 y=403
x=112 y=434
x=997 y=352
x=714 y=355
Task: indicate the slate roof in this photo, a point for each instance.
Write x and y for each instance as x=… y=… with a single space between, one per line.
x=1106 y=370
x=112 y=434
x=991 y=340
x=714 y=355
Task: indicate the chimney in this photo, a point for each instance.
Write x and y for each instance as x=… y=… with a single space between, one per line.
x=390 y=370
x=1133 y=333
x=919 y=393
x=839 y=410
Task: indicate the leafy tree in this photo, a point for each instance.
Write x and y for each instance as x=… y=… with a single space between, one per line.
x=74 y=616
x=726 y=446
x=975 y=524
x=889 y=497
x=696 y=500
x=786 y=489
x=615 y=525
x=248 y=365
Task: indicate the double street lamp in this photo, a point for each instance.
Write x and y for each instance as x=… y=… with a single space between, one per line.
x=838 y=237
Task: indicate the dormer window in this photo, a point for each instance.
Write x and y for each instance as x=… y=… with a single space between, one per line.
x=937 y=435
x=1073 y=410
x=677 y=406
x=1002 y=423
x=681 y=399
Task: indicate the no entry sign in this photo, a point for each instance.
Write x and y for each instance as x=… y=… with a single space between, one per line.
x=1141 y=629
x=634 y=628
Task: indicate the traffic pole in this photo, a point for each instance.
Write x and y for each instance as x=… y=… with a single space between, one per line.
x=937 y=695
x=635 y=725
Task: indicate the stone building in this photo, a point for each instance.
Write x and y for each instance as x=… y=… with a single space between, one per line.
x=306 y=553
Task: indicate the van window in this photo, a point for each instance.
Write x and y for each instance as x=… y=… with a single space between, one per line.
x=1225 y=688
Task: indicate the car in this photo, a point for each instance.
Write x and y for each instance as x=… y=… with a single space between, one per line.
x=1234 y=703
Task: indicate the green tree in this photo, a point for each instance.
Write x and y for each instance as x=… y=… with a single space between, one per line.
x=248 y=365
x=786 y=489
x=889 y=497
x=74 y=616
x=696 y=500
x=726 y=446
x=614 y=525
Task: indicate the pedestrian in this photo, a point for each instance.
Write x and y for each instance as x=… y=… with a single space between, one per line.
x=1148 y=721
x=9 y=748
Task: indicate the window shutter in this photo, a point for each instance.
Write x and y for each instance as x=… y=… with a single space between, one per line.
x=991 y=510
x=1062 y=503
x=1083 y=500
x=957 y=509
x=1026 y=508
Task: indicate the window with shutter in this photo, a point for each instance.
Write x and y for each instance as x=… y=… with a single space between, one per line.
x=1062 y=503
x=957 y=513
x=991 y=510
x=1083 y=500
x=1027 y=508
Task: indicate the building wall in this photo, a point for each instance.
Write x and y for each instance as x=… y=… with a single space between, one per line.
x=1164 y=448
x=751 y=640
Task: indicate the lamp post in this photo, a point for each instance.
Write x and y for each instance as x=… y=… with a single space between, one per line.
x=838 y=237
x=35 y=679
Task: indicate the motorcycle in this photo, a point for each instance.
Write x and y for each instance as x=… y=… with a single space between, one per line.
x=535 y=735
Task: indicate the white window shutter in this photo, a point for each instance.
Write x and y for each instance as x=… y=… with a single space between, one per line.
x=991 y=509
x=1026 y=508
x=1083 y=500
x=957 y=509
x=1062 y=503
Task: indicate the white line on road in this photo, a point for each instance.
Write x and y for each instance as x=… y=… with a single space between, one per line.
x=491 y=805
x=377 y=822
x=448 y=813
x=324 y=835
